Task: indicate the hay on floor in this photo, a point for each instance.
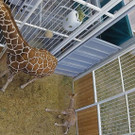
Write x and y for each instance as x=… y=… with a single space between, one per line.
x=22 y=112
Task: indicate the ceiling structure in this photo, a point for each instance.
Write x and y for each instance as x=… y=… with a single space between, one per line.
x=76 y=50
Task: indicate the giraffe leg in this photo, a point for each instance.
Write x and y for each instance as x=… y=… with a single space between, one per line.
x=57 y=111
x=66 y=131
x=30 y=81
x=60 y=117
x=10 y=78
x=60 y=125
x=4 y=73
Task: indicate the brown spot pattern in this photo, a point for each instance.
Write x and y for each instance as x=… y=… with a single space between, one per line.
x=22 y=57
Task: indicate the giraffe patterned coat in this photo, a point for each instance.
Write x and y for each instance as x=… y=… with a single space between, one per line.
x=21 y=56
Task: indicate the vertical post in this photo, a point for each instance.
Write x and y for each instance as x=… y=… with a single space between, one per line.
x=73 y=91
x=94 y=86
x=126 y=97
x=77 y=129
x=98 y=106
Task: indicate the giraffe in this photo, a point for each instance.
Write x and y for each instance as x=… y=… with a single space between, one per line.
x=70 y=113
x=21 y=56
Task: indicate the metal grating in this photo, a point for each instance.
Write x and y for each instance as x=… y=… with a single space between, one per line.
x=34 y=18
x=128 y=69
x=108 y=80
x=114 y=119
x=76 y=53
x=131 y=98
x=114 y=90
x=91 y=52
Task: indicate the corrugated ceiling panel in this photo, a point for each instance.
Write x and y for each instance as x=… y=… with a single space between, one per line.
x=90 y=53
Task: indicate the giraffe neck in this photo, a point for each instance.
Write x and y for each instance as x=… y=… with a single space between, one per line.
x=9 y=28
x=71 y=105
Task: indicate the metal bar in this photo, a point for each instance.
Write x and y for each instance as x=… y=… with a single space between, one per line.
x=128 y=113
x=99 y=50
x=130 y=133
x=30 y=13
x=79 y=60
x=99 y=119
x=122 y=12
x=37 y=20
x=106 y=100
x=77 y=129
x=74 y=64
x=106 y=43
x=98 y=106
x=64 y=30
x=93 y=7
x=59 y=29
x=94 y=85
x=121 y=74
x=85 y=25
x=50 y=20
x=88 y=55
x=64 y=67
x=68 y=70
x=44 y=29
x=113 y=107
x=71 y=66
x=1 y=45
x=63 y=73
x=3 y=51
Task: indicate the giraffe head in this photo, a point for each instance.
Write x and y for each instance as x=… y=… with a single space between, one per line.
x=72 y=96
x=1 y=8
x=1 y=2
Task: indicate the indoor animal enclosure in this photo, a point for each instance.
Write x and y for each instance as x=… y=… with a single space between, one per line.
x=108 y=106
x=105 y=103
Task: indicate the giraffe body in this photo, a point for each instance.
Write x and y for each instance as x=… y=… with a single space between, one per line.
x=35 y=62
x=21 y=56
x=70 y=114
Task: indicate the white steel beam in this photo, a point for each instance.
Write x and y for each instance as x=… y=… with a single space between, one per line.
x=96 y=101
x=107 y=100
x=126 y=96
x=93 y=7
x=3 y=51
x=31 y=12
x=85 y=25
x=1 y=45
x=118 y=15
x=44 y=29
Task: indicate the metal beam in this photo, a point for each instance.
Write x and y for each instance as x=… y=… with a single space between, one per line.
x=3 y=51
x=93 y=7
x=1 y=45
x=85 y=25
x=118 y=15
x=44 y=29
x=31 y=12
x=106 y=100
x=122 y=12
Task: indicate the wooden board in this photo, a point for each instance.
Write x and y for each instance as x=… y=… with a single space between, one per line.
x=1 y=49
x=84 y=88
x=88 y=121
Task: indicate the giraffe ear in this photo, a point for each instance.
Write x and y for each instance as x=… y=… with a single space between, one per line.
x=73 y=95
x=2 y=1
